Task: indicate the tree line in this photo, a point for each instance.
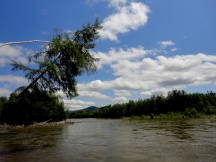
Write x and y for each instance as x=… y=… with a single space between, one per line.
x=33 y=106
x=176 y=102
x=39 y=106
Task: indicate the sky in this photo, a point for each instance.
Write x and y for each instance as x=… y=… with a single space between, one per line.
x=146 y=47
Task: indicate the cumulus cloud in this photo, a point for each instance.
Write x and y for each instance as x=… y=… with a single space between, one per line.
x=114 y=55
x=157 y=75
x=165 y=44
x=118 y=83
x=128 y=15
x=120 y=99
x=8 y=53
x=92 y=94
x=118 y=92
x=167 y=71
x=134 y=54
x=116 y=3
x=77 y=104
x=15 y=80
x=9 y=82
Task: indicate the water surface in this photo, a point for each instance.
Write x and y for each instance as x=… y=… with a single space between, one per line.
x=112 y=140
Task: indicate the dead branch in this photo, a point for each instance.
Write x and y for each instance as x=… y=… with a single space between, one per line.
x=23 y=42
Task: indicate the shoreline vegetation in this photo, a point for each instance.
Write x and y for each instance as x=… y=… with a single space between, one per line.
x=37 y=124
x=38 y=110
x=177 y=104
x=169 y=116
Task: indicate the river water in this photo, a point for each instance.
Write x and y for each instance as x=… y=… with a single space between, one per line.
x=109 y=140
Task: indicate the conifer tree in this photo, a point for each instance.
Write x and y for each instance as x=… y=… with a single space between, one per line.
x=60 y=61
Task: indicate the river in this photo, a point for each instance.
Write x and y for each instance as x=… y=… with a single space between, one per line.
x=109 y=140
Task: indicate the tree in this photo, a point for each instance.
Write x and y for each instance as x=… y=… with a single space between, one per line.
x=3 y=101
x=60 y=61
x=32 y=107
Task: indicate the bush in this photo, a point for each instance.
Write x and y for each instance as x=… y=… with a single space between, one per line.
x=210 y=110
x=32 y=107
x=191 y=112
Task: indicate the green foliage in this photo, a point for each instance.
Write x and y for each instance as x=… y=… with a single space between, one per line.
x=3 y=101
x=83 y=114
x=177 y=104
x=191 y=112
x=210 y=110
x=33 y=106
x=61 y=61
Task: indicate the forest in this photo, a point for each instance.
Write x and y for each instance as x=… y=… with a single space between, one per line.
x=177 y=104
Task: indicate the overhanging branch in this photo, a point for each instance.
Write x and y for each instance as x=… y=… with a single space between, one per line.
x=23 y=42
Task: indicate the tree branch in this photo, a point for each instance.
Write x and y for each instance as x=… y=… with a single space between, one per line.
x=23 y=42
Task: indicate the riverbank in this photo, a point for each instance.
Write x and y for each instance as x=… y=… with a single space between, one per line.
x=37 y=124
x=171 y=115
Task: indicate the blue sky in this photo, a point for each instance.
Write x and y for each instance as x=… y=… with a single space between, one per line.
x=146 y=47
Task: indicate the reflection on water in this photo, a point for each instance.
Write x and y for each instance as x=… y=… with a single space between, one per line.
x=112 y=140
x=23 y=141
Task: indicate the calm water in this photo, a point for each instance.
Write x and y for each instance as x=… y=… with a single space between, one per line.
x=112 y=140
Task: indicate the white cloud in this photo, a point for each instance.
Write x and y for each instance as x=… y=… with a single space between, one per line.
x=120 y=100
x=115 y=3
x=118 y=92
x=77 y=104
x=165 y=71
x=9 y=82
x=114 y=55
x=4 y=92
x=92 y=94
x=117 y=84
x=14 y=80
x=165 y=44
x=153 y=76
x=174 y=49
x=129 y=15
x=8 y=53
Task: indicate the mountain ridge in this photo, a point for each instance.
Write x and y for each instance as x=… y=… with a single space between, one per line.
x=90 y=108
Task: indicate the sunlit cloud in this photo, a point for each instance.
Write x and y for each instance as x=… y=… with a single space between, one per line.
x=128 y=16
x=153 y=76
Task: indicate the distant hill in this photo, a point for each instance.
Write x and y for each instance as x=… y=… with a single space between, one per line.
x=90 y=108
